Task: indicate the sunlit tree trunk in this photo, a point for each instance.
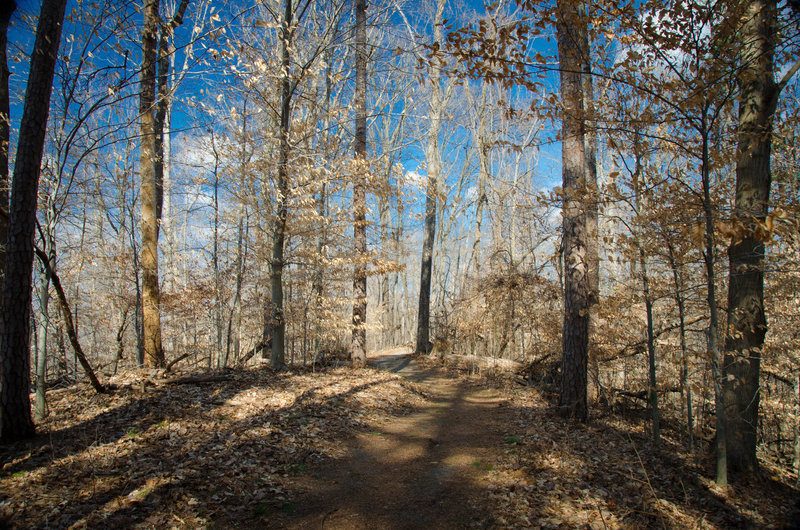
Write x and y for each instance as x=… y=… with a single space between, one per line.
x=40 y=402
x=482 y=145
x=747 y=323
x=15 y=332
x=150 y=190
x=358 y=352
x=163 y=125
x=571 y=26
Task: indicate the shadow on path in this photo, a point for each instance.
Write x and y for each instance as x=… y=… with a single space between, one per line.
x=425 y=470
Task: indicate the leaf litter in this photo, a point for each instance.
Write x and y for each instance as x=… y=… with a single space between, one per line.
x=236 y=451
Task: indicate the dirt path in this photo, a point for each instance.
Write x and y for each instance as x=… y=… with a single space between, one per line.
x=424 y=470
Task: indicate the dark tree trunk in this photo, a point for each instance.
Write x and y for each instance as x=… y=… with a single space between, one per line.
x=747 y=323
x=278 y=353
x=150 y=195
x=15 y=332
x=358 y=352
x=434 y=169
x=423 y=316
x=571 y=27
x=686 y=388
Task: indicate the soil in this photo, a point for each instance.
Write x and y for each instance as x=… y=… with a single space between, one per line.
x=425 y=470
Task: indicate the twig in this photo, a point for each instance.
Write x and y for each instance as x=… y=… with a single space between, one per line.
x=603 y=519
x=649 y=484
x=174 y=362
x=322 y=526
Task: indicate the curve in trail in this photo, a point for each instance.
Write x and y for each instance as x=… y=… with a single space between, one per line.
x=423 y=470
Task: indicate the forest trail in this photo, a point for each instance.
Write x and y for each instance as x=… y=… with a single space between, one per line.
x=411 y=445
x=419 y=471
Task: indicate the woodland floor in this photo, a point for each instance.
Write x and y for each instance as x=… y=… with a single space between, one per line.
x=407 y=445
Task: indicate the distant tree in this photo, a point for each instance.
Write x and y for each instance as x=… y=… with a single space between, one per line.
x=15 y=332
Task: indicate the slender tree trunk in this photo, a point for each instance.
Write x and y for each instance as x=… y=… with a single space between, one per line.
x=591 y=206
x=240 y=243
x=6 y=10
x=571 y=26
x=40 y=401
x=747 y=323
x=652 y=394
x=686 y=388
x=215 y=260
x=434 y=164
x=15 y=332
x=712 y=332
x=278 y=354
x=150 y=190
x=482 y=145
x=317 y=287
x=163 y=121
x=358 y=352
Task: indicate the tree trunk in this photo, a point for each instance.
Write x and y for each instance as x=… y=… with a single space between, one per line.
x=434 y=164
x=747 y=323
x=163 y=119
x=278 y=354
x=150 y=194
x=358 y=352
x=40 y=401
x=591 y=206
x=571 y=26
x=712 y=332
x=482 y=145
x=652 y=394
x=686 y=388
x=15 y=332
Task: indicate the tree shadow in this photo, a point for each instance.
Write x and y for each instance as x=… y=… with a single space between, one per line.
x=464 y=460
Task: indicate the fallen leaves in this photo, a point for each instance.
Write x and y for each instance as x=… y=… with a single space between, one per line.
x=188 y=454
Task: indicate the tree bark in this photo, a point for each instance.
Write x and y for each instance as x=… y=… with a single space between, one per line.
x=747 y=323
x=571 y=26
x=15 y=332
x=358 y=351
x=150 y=194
